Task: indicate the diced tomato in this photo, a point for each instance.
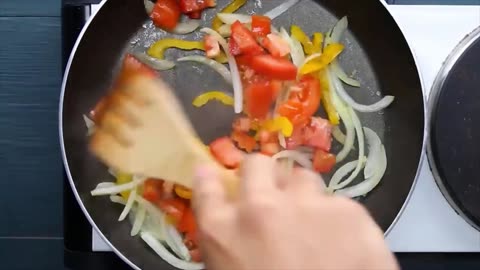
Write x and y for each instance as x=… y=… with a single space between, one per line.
x=152 y=190
x=187 y=223
x=242 y=124
x=296 y=139
x=244 y=141
x=233 y=47
x=166 y=14
x=274 y=68
x=174 y=208
x=276 y=45
x=259 y=97
x=245 y=40
x=212 y=48
x=302 y=104
x=261 y=25
x=189 y=6
x=225 y=152
x=196 y=255
x=270 y=148
x=323 y=162
x=318 y=134
x=196 y=15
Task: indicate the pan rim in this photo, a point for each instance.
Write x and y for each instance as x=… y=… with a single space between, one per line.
x=106 y=240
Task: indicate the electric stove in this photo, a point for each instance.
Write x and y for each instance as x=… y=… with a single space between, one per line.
x=427 y=231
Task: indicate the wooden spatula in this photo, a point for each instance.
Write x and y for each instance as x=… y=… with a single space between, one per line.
x=143 y=130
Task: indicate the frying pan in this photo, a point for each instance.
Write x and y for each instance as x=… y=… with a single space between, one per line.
x=376 y=48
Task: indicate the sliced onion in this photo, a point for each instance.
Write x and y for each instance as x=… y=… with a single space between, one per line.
x=105 y=185
x=225 y=30
x=174 y=240
x=236 y=80
x=335 y=182
x=338 y=30
x=299 y=157
x=380 y=105
x=337 y=69
x=374 y=147
x=282 y=141
x=339 y=135
x=311 y=57
x=346 y=118
x=280 y=9
x=89 y=124
x=296 y=49
x=138 y=221
x=112 y=172
x=152 y=226
x=342 y=172
x=151 y=209
x=148 y=6
x=167 y=256
x=231 y=18
x=187 y=27
x=368 y=185
x=117 y=199
x=221 y=69
x=117 y=188
x=128 y=206
x=154 y=63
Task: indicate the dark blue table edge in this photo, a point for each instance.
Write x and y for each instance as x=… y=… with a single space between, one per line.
x=108 y=260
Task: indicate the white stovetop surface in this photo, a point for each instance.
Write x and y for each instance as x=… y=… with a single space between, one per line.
x=428 y=223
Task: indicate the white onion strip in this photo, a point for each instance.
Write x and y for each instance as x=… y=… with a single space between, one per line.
x=236 y=80
x=128 y=206
x=367 y=185
x=280 y=9
x=174 y=240
x=374 y=147
x=218 y=67
x=343 y=171
x=138 y=221
x=339 y=135
x=89 y=124
x=148 y=6
x=157 y=64
x=296 y=49
x=187 y=27
x=380 y=105
x=117 y=199
x=335 y=182
x=337 y=69
x=167 y=256
x=346 y=118
x=151 y=209
x=338 y=30
x=117 y=188
x=105 y=185
x=299 y=157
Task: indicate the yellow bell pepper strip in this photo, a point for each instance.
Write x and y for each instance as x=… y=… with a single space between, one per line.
x=317 y=42
x=299 y=35
x=322 y=61
x=281 y=124
x=158 y=49
x=327 y=99
x=212 y=95
x=123 y=178
x=183 y=192
x=230 y=8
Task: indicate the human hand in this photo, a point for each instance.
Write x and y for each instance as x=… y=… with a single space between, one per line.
x=280 y=222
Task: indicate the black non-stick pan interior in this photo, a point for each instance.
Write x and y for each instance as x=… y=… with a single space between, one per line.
x=376 y=52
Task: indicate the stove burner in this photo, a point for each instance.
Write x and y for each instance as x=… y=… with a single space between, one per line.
x=454 y=149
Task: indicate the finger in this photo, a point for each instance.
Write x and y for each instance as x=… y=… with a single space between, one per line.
x=208 y=191
x=303 y=180
x=258 y=175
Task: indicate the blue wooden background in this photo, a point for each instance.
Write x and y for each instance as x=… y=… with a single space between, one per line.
x=31 y=174
x=30 y=165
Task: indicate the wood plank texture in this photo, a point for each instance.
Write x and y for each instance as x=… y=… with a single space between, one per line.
x=30 y=7
x=30 y=78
